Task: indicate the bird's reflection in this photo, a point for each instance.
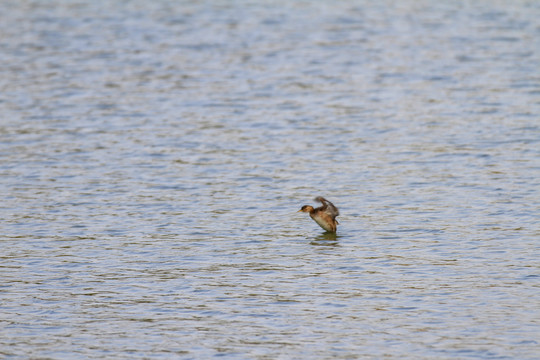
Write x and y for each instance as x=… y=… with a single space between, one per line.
x=326 y=239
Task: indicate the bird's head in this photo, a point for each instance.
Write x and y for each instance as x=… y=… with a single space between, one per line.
x=306 y=208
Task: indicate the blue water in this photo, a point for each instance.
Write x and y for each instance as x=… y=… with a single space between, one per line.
x=153 y=156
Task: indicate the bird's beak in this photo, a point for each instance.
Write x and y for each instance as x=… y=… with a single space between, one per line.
x=299 y=210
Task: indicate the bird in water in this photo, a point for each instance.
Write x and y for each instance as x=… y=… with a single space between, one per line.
x=324 y=215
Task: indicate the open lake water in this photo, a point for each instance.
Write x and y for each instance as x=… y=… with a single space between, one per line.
x=153 y=155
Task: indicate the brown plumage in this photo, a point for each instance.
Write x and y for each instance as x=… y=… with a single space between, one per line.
x=324 y=215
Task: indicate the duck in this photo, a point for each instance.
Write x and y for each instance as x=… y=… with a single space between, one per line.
x=324 y=215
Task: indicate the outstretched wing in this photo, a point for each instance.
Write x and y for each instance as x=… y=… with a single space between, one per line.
x=328 y=207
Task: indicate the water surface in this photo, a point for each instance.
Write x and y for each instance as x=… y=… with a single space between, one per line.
x=153 y=156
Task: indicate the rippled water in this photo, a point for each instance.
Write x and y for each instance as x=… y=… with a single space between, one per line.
x=154 y=155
